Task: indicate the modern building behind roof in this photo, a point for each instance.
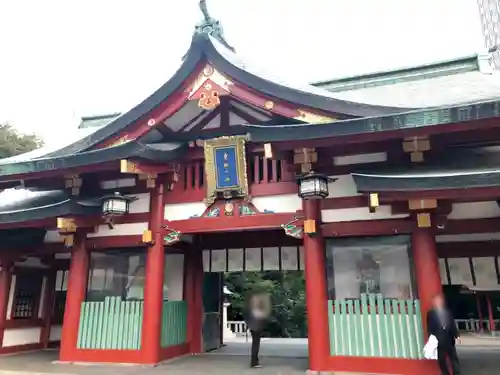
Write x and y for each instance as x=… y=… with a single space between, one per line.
x=489 y=11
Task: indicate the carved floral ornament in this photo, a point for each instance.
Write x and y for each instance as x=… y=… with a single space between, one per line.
x=208 y=87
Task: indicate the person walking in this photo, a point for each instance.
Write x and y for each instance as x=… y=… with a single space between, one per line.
x=258 y=310
x=441 y=324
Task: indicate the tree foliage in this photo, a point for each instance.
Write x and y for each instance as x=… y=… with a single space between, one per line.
x=14 y=143
x=287 y=290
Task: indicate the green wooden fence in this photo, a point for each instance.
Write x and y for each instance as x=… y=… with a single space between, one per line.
x=112 y=324
x=376 y=327
x=174 y=323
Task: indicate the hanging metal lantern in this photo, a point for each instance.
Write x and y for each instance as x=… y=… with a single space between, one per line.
x=313 y=186
x=115 y=205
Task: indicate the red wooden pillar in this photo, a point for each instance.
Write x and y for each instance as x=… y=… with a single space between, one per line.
x=479 y=311
x=5 y=281
x=316 y=291
x=490 y=313
x=76 y=293
x=196 y=316
x=153 y=290
x=48 y=307
x=426 y=269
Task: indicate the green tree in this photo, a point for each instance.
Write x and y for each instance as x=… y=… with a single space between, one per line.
x=287 y=290
x=14 y=143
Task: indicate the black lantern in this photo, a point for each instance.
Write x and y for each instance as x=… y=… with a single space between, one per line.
x=116 y=205
x=313 y=186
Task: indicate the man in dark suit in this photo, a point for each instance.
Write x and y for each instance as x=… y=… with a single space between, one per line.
x=441 y=324
x=257 y=311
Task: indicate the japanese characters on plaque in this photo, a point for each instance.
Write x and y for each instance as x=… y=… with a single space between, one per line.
x=225 y=168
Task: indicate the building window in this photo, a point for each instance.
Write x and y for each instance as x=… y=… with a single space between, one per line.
x=61 y=288
x=117 y=273
x=376 y=265
x=27 y=294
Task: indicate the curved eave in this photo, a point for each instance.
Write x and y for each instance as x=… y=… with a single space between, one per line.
x=42 y=206
x=379 y=183
x=188 y=66
x=401 y=121
x=200 y=50
x=324 y=103
x=132 y=149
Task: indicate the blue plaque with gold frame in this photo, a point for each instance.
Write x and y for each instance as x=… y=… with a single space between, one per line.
x=225 y=168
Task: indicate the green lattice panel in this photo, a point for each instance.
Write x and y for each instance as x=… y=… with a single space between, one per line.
x=174 y=323
x=112 y=324
x=375 y=327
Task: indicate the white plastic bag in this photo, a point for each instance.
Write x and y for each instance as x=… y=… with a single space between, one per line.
x=431 y=348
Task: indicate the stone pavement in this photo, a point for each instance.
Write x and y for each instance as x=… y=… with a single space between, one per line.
x=279 y=357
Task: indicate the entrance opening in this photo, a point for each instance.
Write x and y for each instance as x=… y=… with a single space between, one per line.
x=234 y=263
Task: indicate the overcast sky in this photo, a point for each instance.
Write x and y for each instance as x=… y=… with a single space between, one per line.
x=63 y=59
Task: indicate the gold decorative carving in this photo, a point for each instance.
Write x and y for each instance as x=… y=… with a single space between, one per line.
x=269 y=105
x=313 y=118
x=208 y=70
x=374 y=202
x=210 y=147
x=209 y=99
x=424 y=220
x=209 y=73
x=120 y=141
x=127 y=166
x=65 y=225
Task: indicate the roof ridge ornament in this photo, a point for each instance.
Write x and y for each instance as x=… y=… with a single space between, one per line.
x=210 y=26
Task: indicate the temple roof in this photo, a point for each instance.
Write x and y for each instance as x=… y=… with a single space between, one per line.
x=457 y=169
x=401 y=121
x=209 y=46
x=134 y=149
x=17 y=205
x=458 y=81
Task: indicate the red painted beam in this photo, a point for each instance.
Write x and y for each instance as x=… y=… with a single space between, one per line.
x=230 y=223
x=468 y=249
x=367 y=227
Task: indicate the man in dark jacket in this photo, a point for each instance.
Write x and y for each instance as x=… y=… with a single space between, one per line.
x=257 y=311
x=441 y=324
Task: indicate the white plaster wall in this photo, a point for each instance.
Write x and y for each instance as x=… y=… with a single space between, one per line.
x=278 y=203
x=116 y=184
x=174 y=276
x=471 y=237
x=359 y=213
x=183 y=211
x=21 y=336
x=119 y=230
x=343 y=186
x=474 y=210
x=53 y=236
x=141 y=204
x=11 y=296
x=374 y=157
x=55 y=333
x=32 y=262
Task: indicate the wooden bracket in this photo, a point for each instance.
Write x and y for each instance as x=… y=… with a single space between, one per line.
x=416 y=146
x=73 y=182
x=268 y=151
x=305 y=157
x=67 y=229
x=422 y=204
